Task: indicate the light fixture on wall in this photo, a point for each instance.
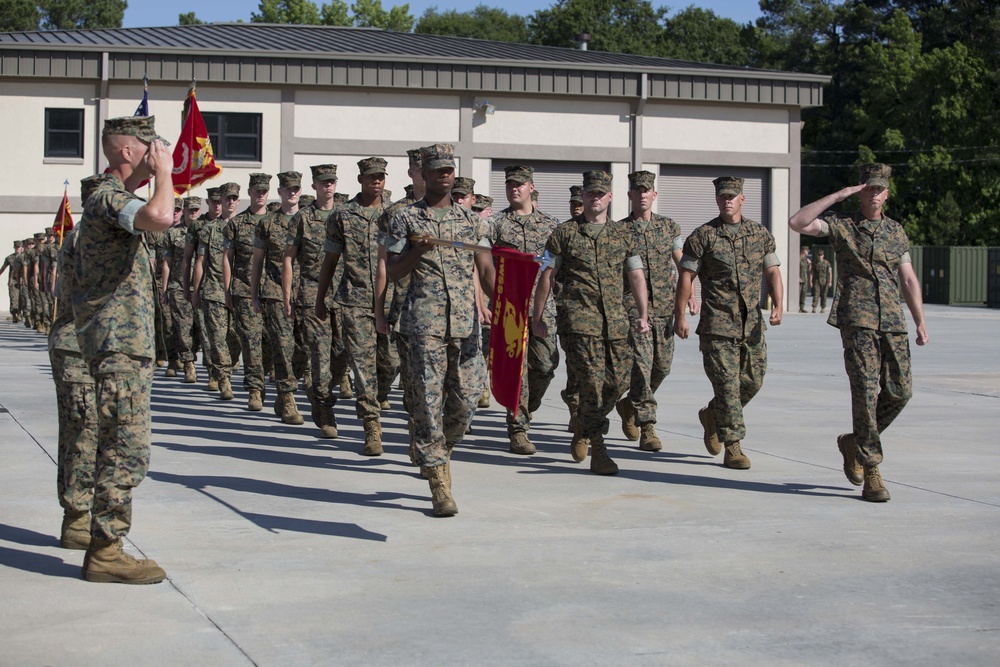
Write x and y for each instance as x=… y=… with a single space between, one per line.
x=485 y=107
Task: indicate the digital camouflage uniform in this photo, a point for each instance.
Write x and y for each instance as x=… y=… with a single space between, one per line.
x=13 y=282
x=867 y=310
x=181 y=312
x=591 y=318
x=112 y=297
x=161 y=318
x=352 y=232
x=48 y=257
x=34 y=282
x=821 y=282
x=729 y=259
x=653 y=352
x=307 y=233
x=529 y=234
x=438 y=321
x=76 y=397
x=239 y=233
x=394 y=296
x=219 y=331
x=805 y=269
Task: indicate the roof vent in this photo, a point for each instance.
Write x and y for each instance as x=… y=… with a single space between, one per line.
x=581 y=40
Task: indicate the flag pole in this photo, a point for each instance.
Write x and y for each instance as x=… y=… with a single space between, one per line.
x=62 y=212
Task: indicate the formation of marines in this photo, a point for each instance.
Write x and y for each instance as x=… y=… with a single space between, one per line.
x=310 y=292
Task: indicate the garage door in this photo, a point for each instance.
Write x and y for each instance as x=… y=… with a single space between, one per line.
x=552 y=181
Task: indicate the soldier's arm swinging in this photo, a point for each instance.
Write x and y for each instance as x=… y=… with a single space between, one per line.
x=381 y=287
x=914 y=300
x=164 y=278
x=256 y=268
x=487 y=273
x=777 y=291
x=637 y=283
x=538 y=326
x=228 y=259
x=291 y=252
x=330 y=262
x=692 y=301
x=186 y=269
x=199 y=270
x=685 y=291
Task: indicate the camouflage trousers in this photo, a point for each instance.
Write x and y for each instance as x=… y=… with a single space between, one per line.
x=281 y=332
x=14 y=291
x=300 y=358
x=736 y=370
x=24 y=302
x=201 y=329
x=652 y=357
x=250 y=327
x=819 y=294
x=36 y=306
x=600 y=368
x=327 y=361
x=76 y=405
x=878 y=369
x=571 y=394
x=124 y=428
x=387 y=361
x=223 y=345
x=360 y=342
x=162 y=327
x=446 y=378
x=403 y=352
x=803 y=288
x=181 y=325
x=540 y=367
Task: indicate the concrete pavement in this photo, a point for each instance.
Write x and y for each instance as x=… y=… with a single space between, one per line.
x=284 y=549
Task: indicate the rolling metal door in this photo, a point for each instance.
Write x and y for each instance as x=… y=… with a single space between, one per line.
x=552 y=182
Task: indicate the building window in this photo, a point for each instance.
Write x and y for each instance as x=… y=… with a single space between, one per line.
x=235 y=136
x=64 y=133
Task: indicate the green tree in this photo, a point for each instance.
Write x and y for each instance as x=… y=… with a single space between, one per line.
x=370 y=14
x=79 y=14
x=619 y=26
x=188 y=18
x=481 y=23
x=700 y=35
x=335 y=13
x=19 y=15
x=296 y=12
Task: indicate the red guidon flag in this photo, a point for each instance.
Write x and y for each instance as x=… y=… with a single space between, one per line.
x=194 y=161
x=515 y=278
x=64 y=217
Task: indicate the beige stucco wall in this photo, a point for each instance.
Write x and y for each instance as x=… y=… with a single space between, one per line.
x=414 y=117
x=715 y=128
x=554 y=123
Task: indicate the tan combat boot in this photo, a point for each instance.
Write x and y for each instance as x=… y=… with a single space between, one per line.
x=373 y=438
x=171 y=372
x=484 y=399
x=255 y=403
x=190 y=373
x=627 y=413
x=519 y=444
x=579 y=448
x=648 y=440
x=384 y=404
x=287 y=410
x=601 y=462
x=75 y=532
x=711 y=436
x=225 y=390
x=441 y=499
x=734 y=457
x=852 y=467
x=160 y=363
x=213 y=385
x=874 y=491
x=345 y=387
x=328 y=422
x=106 y=562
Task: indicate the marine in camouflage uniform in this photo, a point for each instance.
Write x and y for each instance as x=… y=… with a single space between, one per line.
x=24 y=301
x=821 y=273
x=393 y=292
x=112 y=300
x=239 y=233
x=32 y=267
x=165 y=352
x=182 y=323
x=214 y=203
x=593 y=257
x=13 y=281
x=483 y=207
x=524 y=228
x=352 y=232
x=872 y=258
x=730 y=254
x=48 y=258
x=438 y=318
x=659 y=245
x=210 y=292
x=270 y=237
x=304 y=244
x=805 y=278
x=570 y=395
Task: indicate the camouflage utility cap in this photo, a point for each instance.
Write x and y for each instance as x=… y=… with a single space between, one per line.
x=728 y=185
x=228 y=189
x=340 y=197
x=39 y=236
x=597 y=181
x=534 y=196
x=178 y=204
x=50 y=231
x=408 y=190
x=17 y=244
x=140 y=127
x=214 y=194
x=576 y=194
x=324 y=172
x=290 y=179
x=463 y=186
x=305 y=200
x=438 y=156
x=192 y=203
x=518 y=173
x=875 y=173
x=371 y=165
x=259 y=181
x=414 y=155
x=482 y=203
x=89 y=184
x=642 y=179
x=274 y=206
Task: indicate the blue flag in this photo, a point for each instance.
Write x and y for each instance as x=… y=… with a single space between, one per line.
x=143 y=108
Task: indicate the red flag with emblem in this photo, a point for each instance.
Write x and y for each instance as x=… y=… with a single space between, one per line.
x=515 y=279
x=194 y=161
x=64 y=217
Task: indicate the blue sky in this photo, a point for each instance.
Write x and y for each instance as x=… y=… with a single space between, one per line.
x=158 y=13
